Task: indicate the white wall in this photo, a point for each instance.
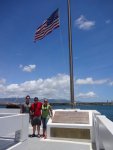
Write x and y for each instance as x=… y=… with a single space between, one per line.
x=104 y=133
x=17 y=124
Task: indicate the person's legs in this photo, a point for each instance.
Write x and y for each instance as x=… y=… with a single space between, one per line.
x=34 y=129
x=38 y=130
x=44 y=121
x=44 y=132
x=34 y=126
x=38 y=123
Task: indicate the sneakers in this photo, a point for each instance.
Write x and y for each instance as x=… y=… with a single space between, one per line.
x=32 y=135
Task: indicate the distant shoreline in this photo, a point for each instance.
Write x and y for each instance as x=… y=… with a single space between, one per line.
x=17 y=105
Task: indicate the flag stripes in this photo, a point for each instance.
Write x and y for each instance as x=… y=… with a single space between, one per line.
x=48 y=26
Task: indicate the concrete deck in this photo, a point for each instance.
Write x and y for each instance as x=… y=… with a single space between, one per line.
x=6 y=143
x=48 y=144
x=55 y=145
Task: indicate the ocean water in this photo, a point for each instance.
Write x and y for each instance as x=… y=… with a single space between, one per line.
x=106 y=110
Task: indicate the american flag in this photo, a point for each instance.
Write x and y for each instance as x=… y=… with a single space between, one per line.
x=48 y=26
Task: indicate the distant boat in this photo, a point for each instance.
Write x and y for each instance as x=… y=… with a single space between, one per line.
x=12 y=105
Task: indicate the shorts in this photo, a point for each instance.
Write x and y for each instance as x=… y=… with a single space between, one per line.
x=36 y=121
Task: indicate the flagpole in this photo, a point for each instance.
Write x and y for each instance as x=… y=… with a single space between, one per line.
x=70 y=56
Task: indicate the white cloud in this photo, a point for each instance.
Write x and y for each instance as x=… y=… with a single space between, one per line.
x=28 y=68
x=55 y=87
x=12 y=87
x=90 y=80
x=83 y=23
x=108 y=21
x=87 y=95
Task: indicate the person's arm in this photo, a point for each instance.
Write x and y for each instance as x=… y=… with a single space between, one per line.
x=31 y=112
x=51 y=112
x=22 y=108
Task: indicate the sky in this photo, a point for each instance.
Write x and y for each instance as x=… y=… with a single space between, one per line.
x=42 y=69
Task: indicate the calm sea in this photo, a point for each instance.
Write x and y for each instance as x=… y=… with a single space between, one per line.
x=106 y=110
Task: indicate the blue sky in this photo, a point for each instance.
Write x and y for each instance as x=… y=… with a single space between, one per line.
x=42 y=69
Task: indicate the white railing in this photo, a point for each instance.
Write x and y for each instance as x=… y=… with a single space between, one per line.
x=13 y=131
x=9 y=110
x=103 y=132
